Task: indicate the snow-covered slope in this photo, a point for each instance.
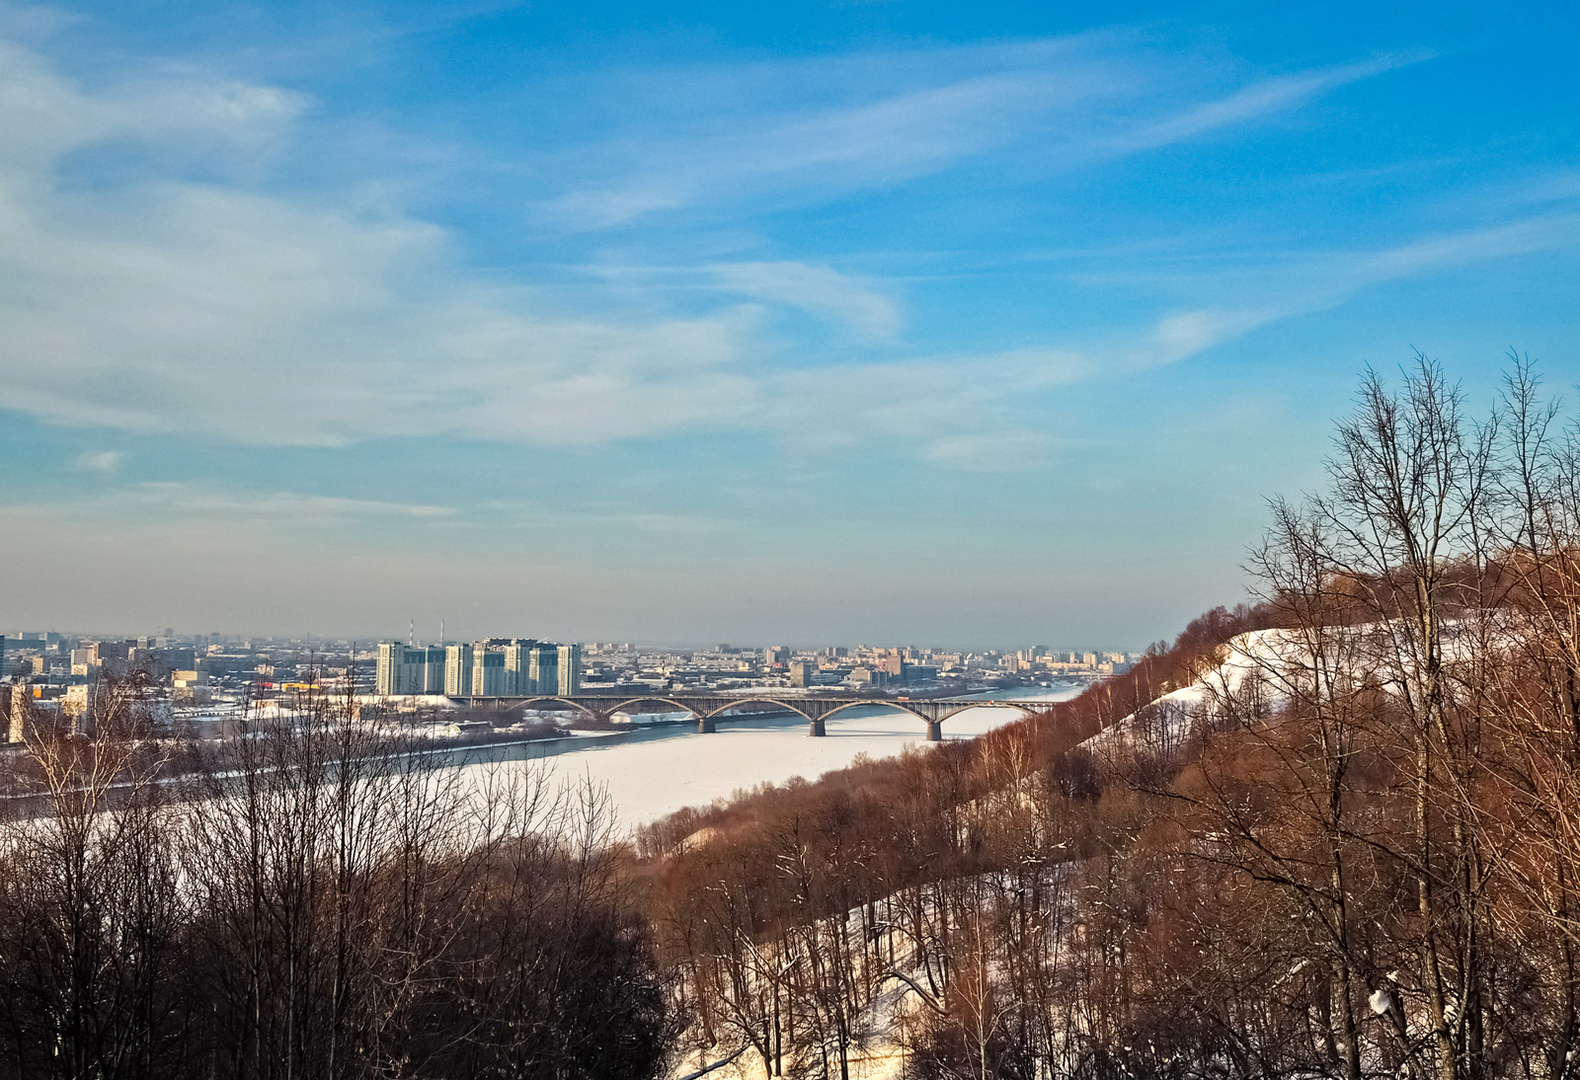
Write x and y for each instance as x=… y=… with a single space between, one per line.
x=1257 y=672
x=1256 y=668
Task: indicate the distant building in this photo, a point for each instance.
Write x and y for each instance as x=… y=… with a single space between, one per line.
x=492 y=667
x=433 y=669
x=458 y=671
x=488 y=672
x=189 y=687
x=543 y=669
x=569 y=662
x=518 y=664
x=27 y=714
x=405 y=670
x=871 y=676
x=391 y=676
x=802 y=673
x=103 y=652
x=78 y=701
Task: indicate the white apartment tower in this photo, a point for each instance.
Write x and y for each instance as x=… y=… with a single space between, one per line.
x=543 y=667
x=393 y=676
x=518 y=667
x=495 y=667
x=458 y=671
x=404 y=670
x=570 y=670
x=488 y=671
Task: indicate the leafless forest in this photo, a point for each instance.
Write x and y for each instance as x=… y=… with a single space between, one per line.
x=1359 y=861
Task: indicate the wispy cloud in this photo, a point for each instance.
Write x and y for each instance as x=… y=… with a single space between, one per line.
x=961 y=412
x=189 y=504
x=1259 y=99
x=956 y=412
x=1321 y=281
x=45 y=116
x=991 y=451
x=175 y=306
x=858 y=145
x=820 y=290
x=1544 y=232
x=104 y=461
x=1065 y=105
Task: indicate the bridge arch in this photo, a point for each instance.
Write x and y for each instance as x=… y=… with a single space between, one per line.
x=526 y=703
x=869 y=702
x=682 y=706
x=734 y=702
x=615 y=705
x=933 y=718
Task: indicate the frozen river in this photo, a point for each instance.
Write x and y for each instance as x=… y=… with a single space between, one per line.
x=656 y=770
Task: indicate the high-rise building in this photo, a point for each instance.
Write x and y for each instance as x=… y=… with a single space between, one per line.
x=518 y=667
x=492 y=667
x=433 y=669
x=404 y=670
x=543 y=668
x=458 y=671
x=488 y=671
x=389 y=677
x=570 y=669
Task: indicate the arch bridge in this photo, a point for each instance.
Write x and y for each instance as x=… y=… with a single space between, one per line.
x=709 y=709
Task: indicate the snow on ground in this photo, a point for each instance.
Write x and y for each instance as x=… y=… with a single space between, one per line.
x=1275 y=656
x=1282 y=660
x=657 y=772
x=876 y=1052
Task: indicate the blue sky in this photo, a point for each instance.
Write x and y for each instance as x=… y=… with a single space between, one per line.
x=820 y=323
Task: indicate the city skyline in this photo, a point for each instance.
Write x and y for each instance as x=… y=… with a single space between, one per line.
x=34 y=639
x=852 y=323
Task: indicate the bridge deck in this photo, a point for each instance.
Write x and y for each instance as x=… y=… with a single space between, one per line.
x=710 y=708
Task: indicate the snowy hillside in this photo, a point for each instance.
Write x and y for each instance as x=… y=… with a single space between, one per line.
x=1261 y=665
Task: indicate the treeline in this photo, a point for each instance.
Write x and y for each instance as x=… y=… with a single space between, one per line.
x=330 y=903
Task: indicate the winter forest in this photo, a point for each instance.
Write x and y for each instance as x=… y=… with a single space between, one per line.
x=1331 y=832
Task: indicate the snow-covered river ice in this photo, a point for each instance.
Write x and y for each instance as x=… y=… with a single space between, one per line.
x=654 y=770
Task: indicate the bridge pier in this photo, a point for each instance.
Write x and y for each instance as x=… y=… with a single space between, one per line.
x=817 y=731
x=706 y=725
x=935 y=731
